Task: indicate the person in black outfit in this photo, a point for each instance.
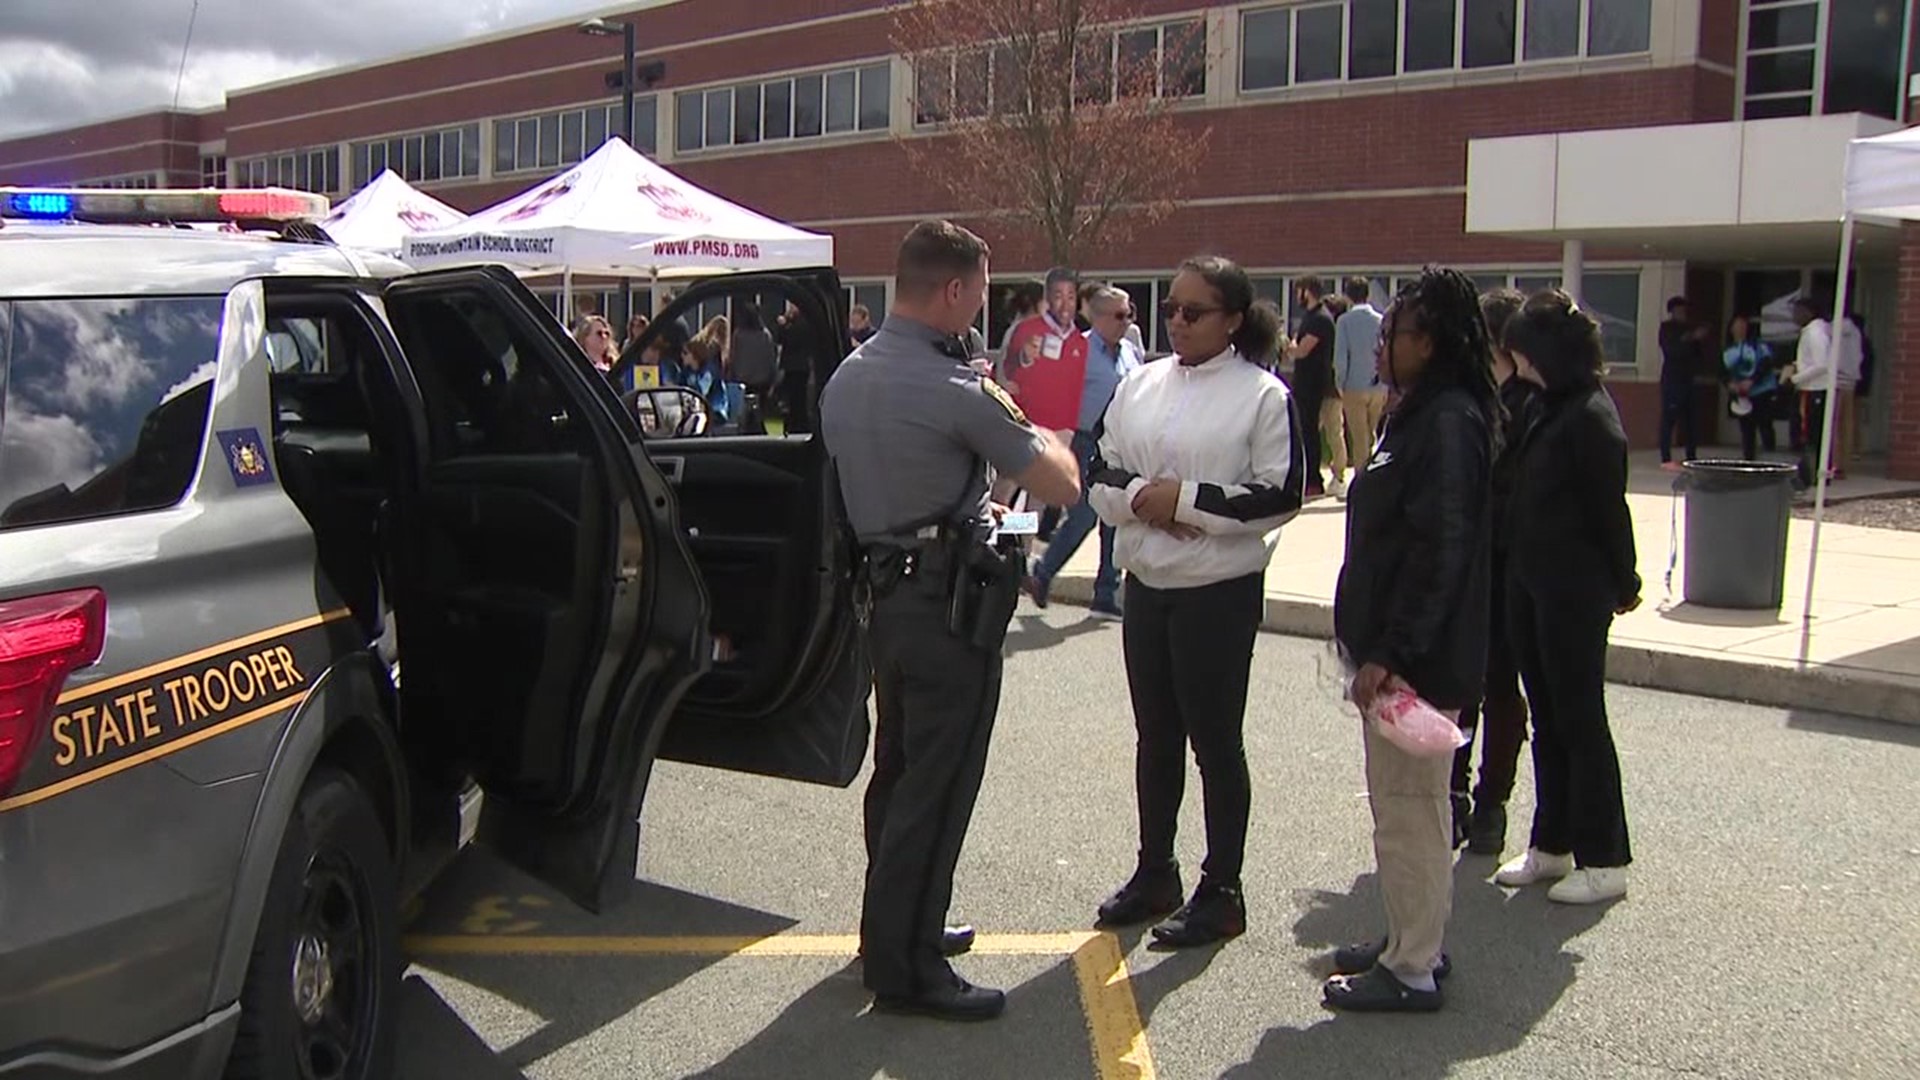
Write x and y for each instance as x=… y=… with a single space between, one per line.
x=1411 y=609
x=796 y=372
x=1682 y=349
x=1500 y=716
x=1571 y=571
x=1312 y=353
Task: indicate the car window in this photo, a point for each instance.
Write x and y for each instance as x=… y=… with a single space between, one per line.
x=106 y=404
x=485 y=387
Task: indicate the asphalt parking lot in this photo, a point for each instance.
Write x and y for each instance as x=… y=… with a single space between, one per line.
x=1771 y=930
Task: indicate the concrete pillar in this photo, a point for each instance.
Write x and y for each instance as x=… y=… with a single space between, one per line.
x=1573 y=262
x=1898 y=376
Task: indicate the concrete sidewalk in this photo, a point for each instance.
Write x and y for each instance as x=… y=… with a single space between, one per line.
x=1860 y=655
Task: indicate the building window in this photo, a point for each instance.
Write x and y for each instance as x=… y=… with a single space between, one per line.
x=1334 y=40
x=1168 y=60
x=567 y=137
x=1793 y=68
x=315 y=169
x=424 y=156
x=213 y=170
x=796 y=107
x=123 y=182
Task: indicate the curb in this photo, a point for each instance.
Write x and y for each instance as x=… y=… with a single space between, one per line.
x=1821 y=688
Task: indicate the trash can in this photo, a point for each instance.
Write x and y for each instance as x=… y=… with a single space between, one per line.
x=1737 y=513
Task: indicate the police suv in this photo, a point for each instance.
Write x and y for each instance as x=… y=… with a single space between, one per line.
x=248 y=479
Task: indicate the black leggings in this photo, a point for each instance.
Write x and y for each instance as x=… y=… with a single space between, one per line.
x=1189 y=655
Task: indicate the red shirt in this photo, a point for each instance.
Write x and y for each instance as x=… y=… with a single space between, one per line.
x=1050 y=382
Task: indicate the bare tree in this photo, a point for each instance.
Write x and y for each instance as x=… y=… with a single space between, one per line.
x=1061 y=115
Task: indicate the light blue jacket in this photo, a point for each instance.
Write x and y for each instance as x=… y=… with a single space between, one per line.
x=1356 y=336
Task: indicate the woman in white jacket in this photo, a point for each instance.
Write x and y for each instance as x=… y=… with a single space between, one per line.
x=1199 y=462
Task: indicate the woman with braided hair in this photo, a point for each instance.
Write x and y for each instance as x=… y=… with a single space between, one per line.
x=1412 y=610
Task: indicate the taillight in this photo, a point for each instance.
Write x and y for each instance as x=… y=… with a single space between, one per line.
x=42 y=640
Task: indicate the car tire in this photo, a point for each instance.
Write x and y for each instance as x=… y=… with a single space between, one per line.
x=322 y=986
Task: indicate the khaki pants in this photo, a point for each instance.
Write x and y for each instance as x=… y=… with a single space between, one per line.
x=1336 y=439
x=1413 y=848
x=1362 y=409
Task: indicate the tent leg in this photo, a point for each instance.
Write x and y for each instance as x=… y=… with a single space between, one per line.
x=566 y=297
x=1824 y=455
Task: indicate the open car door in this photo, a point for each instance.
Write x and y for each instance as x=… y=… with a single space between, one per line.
x=787 y=694
x=549 y=615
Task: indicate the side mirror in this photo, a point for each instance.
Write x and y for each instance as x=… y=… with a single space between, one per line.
x=670 y=412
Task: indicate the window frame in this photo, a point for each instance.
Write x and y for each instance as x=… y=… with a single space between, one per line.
x=1293 y=8
x=507 y=146
x=778 y=96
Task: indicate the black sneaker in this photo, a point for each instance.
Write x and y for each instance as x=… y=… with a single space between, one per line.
x=1362 y=958
x=1487 y=831
x=1216 y=913
x=1377 y=990
x=1148 y=895
x=1462 y=813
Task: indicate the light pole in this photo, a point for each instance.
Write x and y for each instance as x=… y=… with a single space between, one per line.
x=605 y=28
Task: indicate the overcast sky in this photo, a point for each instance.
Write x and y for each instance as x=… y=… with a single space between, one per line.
x=65 y=62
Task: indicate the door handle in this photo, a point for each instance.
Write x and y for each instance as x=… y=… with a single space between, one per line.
x=671 y=467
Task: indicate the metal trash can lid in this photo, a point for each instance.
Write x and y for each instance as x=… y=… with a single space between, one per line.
x=1724 y=474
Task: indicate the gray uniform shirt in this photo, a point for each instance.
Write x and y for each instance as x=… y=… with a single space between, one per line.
x=908 y=427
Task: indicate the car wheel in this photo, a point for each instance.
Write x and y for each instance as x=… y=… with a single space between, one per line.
x=319 y=1000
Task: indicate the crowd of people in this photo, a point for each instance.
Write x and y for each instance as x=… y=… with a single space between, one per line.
x=1489 y=548
x=744 y=368
x=1763 y=386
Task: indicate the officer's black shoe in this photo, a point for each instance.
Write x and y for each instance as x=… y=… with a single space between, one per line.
x=955 y=940
x=1216 y=913
x=1148 y=895
x=1360 y=959
x=959 y=1000
x=1462 y=813
x=1487 y=832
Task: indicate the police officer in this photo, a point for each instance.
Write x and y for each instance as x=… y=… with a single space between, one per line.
x=911 y=427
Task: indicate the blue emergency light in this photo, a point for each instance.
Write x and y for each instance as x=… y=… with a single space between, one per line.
x=40 y=204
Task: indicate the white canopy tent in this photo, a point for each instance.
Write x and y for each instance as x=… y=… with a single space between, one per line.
x=380 y=216
x=1883 y=181
x=619 y=213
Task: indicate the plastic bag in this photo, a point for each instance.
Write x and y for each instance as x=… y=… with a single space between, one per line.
x=1413 y=725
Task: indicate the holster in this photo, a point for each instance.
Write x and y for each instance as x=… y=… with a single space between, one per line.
x=983 y=588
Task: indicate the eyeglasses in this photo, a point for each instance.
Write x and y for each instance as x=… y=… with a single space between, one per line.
x=1190 y=313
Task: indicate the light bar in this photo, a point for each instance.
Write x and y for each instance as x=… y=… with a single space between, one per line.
x=161 y=205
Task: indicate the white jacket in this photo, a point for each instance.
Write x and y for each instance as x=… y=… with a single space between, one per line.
x=1813 y=371
x=1225 y=429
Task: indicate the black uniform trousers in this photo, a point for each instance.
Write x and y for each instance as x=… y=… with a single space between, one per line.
x=1561 y=644
x=1499 y=718
x=1676 y=410
x=1189 y=655
x=935 y=696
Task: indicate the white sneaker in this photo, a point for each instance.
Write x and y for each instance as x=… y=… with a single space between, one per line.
x=1590 y=885
x=1533 y=867
x=1337 y=488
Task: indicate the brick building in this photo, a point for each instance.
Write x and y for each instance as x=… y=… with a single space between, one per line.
x=1629 y=149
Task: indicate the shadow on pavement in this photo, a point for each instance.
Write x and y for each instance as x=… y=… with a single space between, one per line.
x=1882 y=731
x=1511 y=966
x=1032 y=632
x=435 y=1044
x=1042 y=1034
x=574 y=995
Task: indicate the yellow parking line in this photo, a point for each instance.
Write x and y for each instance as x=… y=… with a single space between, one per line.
x=1120 y=1050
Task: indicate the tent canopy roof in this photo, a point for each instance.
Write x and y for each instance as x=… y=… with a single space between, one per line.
x=1883 y=175
x=618 y=212
x=380 y=216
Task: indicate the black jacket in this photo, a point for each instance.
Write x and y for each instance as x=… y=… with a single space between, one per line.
x=1517 y=395
x=1414 y=593
x=1569 y=531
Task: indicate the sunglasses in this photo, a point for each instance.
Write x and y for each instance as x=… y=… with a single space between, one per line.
x=1190 y=313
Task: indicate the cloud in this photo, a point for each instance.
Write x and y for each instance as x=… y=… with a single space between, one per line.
x=64 y=63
